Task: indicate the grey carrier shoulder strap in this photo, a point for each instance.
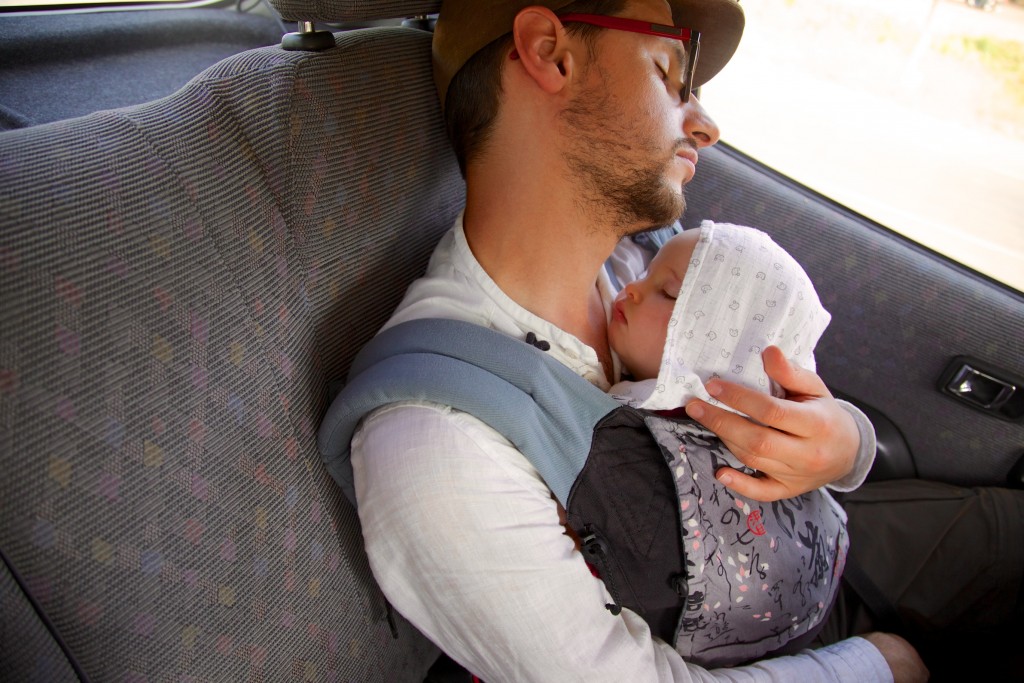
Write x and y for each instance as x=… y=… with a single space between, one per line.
x=547 y=411
x=597 y=456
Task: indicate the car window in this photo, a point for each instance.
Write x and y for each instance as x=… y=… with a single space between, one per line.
x=910 y=113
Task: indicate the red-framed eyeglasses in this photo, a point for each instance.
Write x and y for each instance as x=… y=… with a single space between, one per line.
x=689 y=37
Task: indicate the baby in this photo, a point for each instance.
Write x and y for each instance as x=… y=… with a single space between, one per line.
x=710 y=302
x=759 y=575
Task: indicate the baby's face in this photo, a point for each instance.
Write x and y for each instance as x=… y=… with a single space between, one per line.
x=640 y=315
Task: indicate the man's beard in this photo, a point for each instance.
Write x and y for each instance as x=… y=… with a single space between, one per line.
x=637 y=198
x=620 y=174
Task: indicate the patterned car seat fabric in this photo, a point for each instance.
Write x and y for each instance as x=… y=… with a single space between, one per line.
x=179 y=280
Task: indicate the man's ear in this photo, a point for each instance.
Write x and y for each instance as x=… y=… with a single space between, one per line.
x=543 y=48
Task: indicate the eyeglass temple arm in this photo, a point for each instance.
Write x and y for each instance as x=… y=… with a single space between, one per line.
x=691 y=63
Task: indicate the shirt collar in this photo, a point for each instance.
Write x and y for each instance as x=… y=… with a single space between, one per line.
x=505 y=315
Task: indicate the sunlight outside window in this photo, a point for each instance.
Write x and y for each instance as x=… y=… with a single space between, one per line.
x=910 y=112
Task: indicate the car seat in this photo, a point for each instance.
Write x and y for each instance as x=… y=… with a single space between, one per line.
x=59 y=65
x=180 y=279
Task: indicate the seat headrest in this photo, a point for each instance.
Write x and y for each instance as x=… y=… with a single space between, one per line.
x=353 y=10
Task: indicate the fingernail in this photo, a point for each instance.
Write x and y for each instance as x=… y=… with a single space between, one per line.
x=725 y=478
x=714 y=388
x=695 y=410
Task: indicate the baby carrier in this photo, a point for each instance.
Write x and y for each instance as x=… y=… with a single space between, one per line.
x=723 y=579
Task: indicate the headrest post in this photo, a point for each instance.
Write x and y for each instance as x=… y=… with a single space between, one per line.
x=308 y=39
x=421 y=21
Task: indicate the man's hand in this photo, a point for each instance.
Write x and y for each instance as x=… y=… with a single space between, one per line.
x=902 y=658
x=809 y=440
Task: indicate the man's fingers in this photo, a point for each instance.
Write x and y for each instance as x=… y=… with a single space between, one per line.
x=788 y=414
x=796 y=380
x=781 y=414
x=753 y=444
x=796 y=444
x=727 y=425
x=764 y=489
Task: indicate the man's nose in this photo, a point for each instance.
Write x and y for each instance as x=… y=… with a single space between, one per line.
x=698 y=125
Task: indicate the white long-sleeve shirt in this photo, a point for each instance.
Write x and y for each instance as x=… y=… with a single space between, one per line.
x=465 y=540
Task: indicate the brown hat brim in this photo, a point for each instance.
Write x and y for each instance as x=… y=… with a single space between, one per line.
x=464 y=27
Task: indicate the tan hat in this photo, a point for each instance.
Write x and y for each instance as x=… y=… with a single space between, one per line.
x=464 y=27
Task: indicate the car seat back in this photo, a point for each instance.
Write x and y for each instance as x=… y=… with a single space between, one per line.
x=179 y=280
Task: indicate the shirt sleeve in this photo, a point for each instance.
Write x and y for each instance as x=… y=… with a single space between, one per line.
x=865 y=455
x=465 y=541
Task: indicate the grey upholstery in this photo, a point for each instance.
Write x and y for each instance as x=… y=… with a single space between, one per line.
x=57 y=66
x=180 y=280
x=28 y=650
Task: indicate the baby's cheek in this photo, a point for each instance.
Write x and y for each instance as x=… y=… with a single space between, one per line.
x=663 y=327
x=657 y=351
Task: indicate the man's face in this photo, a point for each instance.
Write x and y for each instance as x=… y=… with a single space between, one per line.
x=641 y=312
x=629 y=138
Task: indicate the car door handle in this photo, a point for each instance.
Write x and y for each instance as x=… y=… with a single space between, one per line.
x=981 y=387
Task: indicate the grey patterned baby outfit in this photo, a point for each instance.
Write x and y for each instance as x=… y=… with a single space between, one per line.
x=758 y=574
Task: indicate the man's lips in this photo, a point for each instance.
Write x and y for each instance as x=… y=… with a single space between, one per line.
x=688 y=154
